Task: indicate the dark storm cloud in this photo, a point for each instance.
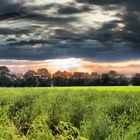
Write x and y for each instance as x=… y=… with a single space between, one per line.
x=73 y=9
x=5 y=31
x=131 y=19
x=7 y=6
x=9 y=9
x=31 y=15
x=105 y=2
x=102 y=44
x=132 y=12
x=69 y=8
x=53 y=49
x=56 y=20
x=131 y=15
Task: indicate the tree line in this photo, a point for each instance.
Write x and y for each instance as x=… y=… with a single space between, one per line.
x=42 y=78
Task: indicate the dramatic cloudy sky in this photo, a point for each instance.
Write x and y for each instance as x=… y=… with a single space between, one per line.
x=74 y=35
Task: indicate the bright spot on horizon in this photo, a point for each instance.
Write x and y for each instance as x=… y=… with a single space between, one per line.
x=66 y=64
x=72 y=65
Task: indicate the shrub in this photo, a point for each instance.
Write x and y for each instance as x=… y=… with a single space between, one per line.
x=39 y=130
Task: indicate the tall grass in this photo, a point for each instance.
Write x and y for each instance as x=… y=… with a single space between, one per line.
x=94 y=113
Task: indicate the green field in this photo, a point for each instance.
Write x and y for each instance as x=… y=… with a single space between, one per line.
x=73 y=113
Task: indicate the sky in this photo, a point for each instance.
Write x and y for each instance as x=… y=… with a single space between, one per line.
x=72 y=35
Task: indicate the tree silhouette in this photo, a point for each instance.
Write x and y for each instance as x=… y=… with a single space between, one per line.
x=136 y=79
x=79 y=79
x=113 y=79
x=95 y=79
x=30 y=79
x=43 y=77
x=61 y=78
x=5 y=77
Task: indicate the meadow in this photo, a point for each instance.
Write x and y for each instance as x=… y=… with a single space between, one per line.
x=70 y=113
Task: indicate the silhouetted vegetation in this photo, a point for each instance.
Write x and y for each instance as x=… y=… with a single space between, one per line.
x=136 y=79
x=42 y=78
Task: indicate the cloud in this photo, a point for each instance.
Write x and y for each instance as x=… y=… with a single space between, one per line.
x=106 y=2
x=130 y=15
x=103 y=30
x=10 y=6
x=71 y=9
x=78 y=48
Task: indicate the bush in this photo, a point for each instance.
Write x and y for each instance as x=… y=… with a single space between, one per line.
x=39 y=130
x=7 y=129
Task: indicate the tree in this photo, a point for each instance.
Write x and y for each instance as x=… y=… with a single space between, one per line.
x=19 y=81
x=105 y=79
x=44 y=73
x=30 y=79
x=136 y=79
x=124 y=81
x=79 y=79
x=95 y=79
x=61 y=78
x=110 y=79
x=43 y=77
x=5 y=77
x=114 y=79
x=4 y=70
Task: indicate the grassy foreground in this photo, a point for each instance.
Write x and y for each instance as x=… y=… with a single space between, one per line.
x=74 y=113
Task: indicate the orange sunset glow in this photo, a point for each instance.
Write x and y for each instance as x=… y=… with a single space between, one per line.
x=72 y=65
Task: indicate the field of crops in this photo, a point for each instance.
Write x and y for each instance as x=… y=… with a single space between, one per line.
x=74 y=113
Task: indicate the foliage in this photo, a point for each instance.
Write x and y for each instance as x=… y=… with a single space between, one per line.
x=7 y=129
x=65 y=130
x=74 y=113
x=39 y=129
x=136 y=79
x=42 y=78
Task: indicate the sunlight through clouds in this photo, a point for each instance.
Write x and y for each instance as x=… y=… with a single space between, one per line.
x=45 y=31
x=73 y=65
x=42 y=2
